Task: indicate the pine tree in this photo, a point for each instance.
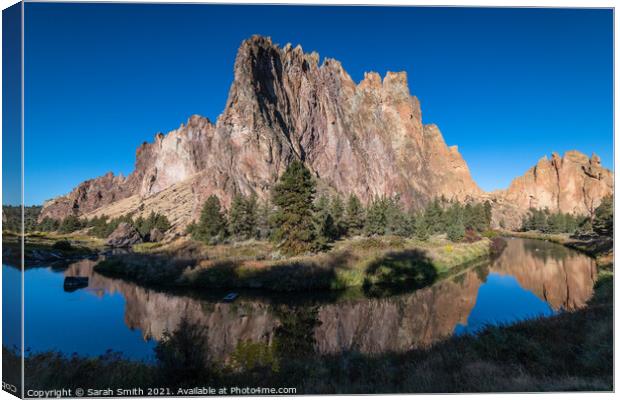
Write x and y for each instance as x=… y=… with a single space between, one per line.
x=293 y=197
x=456 y=227
x=336 y=209
x=243 y=217
x=211 y=227
x=396 y=220
x=71 y=223
x=421 y=228
x=434 y=216
x=603 y=223
x=264 y=217
x=354 y=216
x=376 y=221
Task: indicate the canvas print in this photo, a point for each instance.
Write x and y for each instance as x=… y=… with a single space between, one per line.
x=287 y=200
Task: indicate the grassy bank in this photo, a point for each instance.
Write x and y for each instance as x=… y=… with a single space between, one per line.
x=570 y=351
x=375 y=261
x=47 y=248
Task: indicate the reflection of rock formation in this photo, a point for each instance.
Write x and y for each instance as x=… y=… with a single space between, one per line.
x=369 y=325
x=562 y=277
x=154 y=312
x=398 y=323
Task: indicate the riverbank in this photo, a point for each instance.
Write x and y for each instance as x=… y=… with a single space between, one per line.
x=359 y=262
x=48 y=248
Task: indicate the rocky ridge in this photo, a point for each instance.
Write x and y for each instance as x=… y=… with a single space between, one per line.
x=366 y=138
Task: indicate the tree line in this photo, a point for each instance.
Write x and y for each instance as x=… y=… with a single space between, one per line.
x=299 y=221
x=103 y=225
x=545 y=221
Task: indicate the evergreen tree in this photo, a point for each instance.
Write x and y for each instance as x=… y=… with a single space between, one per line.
x=71 y=223
x=456 y=227
x=603 y=223
x=376 y=221
x=212 y=224
x=293 y=197
x=354 y=216
x=434 y=216
x=337 y=212
x=421 y=228
x=49 y=225
x=395 y=218
x=264 y=216
x=243 y=217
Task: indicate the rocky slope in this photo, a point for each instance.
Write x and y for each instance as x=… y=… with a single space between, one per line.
x=366 y=138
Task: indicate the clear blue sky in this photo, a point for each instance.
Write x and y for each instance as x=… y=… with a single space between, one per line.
x=508 y=86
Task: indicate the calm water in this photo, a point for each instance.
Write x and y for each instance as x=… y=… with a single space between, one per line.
x=529 y=279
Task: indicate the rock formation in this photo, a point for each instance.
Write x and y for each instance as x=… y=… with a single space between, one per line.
x=124 y=235
x=571 y=184
x=366 y=138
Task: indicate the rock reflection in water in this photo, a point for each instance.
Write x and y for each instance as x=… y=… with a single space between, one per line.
x=561 y=277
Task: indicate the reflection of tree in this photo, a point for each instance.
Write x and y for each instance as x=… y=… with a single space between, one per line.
x=295 y=335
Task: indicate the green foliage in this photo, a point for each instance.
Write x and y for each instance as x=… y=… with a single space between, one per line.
x=264 y=216
x=211 y=227
x=603 y=223
x=71 y=223
x=153 y=221
x=421 y=228
x=354 y=216
x=102 y=228
x=48 y=224
x=547 y=222
x=456 y=216
x=243 y=217
x=376 y=217
x=336 y=210
x=12 y=217
x=293 y=197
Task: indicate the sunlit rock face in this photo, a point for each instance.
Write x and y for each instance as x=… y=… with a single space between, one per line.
x=283 y=105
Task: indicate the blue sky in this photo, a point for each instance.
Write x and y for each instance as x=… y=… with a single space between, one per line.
x=507 y=86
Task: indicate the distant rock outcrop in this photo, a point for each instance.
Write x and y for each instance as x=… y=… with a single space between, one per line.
x=571 y=184
x=366 y=138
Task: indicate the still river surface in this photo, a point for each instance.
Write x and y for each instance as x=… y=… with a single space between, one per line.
x=529 y=279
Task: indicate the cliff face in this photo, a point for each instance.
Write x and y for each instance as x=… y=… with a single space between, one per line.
x=571 y=184
x=366 y=138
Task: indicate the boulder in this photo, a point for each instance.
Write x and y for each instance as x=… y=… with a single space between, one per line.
x=124 y=235
x=155 y=235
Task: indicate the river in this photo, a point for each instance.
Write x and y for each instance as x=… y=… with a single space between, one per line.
x=529 y=279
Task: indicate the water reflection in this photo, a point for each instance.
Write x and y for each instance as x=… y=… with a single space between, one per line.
x=530 y=278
